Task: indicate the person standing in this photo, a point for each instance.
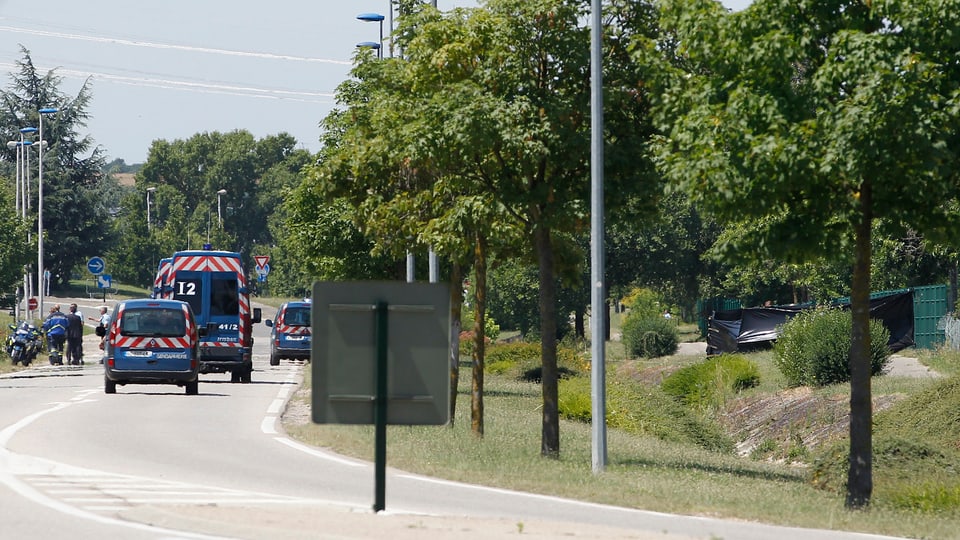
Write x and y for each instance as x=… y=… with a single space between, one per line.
x=103 y=321
x=74 y=337
x=55 y=327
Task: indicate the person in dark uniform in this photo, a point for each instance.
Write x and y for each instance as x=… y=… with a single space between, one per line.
x=74 y=337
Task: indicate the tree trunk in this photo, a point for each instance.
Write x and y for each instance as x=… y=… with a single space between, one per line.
x=860 y=474
x=456 y=306
x=480 y=292
x=579 y=326
x=550 y=432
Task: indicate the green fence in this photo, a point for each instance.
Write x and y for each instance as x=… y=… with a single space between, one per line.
x=706 y=307
x=929 y=306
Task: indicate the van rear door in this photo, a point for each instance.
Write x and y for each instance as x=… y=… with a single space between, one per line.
x=153 y=340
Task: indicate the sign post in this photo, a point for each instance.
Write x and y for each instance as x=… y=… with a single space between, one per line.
x=380 y=356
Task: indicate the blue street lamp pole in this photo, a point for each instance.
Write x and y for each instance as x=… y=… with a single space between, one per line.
x=377 y=18
x=40 y=283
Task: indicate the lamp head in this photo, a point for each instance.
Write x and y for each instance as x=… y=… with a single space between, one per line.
x=368 y=45
x=222 y=192
x=12 y=144
x=151 y=189
x=28 y=130
x=370 y=17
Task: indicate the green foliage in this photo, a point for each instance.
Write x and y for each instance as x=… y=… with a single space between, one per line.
x=644 y=410
x=711 y=382
x=523 y=359
x=814 y=347
x=643 y=303
x=15 y=251
x=649 y=337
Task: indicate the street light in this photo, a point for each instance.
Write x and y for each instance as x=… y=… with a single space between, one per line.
x=149 y=191
x=371 y=45
x=220 y=193
x=378 y=18
x=42 y=112
x=25 y=169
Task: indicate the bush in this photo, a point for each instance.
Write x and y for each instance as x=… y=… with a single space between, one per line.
x=642 y=410
x=814 y=347
x=649 y=337
x=708 y=383
x=523 y=359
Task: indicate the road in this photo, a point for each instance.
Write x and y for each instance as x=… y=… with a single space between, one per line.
x=153 y=463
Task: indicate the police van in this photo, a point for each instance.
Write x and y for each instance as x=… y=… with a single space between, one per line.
x=152 y=341
x=215 y=286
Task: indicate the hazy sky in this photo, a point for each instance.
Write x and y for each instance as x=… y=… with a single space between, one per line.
x=170 y=69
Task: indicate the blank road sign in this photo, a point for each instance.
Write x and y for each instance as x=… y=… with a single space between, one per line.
x=344 y=359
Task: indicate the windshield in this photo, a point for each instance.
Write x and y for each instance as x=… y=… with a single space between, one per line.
x=155 y=322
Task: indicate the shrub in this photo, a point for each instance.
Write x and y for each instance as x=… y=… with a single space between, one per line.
x=524 y=360
x=709 y=382
x=642 y=410
x=814 y=347
x=649 y=337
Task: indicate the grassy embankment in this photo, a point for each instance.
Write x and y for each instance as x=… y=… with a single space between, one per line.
x=916 y=491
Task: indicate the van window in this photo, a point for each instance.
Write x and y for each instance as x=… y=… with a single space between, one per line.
x=155 y=322
x=223 y=296
x=296 y=316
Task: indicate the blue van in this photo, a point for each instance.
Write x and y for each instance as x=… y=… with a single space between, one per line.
x=215 y=286
x=152 y=341
x=290 y=332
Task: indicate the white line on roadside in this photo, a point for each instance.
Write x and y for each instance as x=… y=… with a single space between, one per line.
x=319 y=453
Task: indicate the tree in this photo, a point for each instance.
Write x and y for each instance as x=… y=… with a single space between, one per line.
x=815 y=121
x=187 y=175
x=14 y=250
x=477 y=140
x=77 y=198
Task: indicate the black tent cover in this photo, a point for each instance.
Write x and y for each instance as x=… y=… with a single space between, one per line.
x=749 y=328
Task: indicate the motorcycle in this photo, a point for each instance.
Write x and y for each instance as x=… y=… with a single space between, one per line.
x=23 y=344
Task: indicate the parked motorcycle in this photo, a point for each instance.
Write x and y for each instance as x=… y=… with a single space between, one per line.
x=23 y=344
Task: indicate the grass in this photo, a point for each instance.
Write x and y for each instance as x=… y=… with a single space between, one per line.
x=650 y=473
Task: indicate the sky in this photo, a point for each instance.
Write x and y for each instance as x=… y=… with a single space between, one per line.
x=173 y=68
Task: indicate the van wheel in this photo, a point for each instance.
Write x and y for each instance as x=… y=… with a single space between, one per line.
x=246 y=374
x=235 y=376
x=109 y=387
x=274 y=359
x=193 y=387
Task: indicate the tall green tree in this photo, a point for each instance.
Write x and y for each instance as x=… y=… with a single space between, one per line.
x=15 y=252
x=186 y=210
x=477 y=140
x=77 y=198
x=818 y=120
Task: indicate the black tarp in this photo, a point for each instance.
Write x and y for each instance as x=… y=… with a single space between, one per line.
x=748 y=328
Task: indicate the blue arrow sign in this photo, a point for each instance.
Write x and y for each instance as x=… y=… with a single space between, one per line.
x=103 y=281
x=96 y=265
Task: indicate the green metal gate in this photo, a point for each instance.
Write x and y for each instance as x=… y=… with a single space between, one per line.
x=929 y=306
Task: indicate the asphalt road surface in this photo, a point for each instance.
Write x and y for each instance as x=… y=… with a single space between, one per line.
x=153 y=463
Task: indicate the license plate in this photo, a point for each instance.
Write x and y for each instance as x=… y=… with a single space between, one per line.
x=139 y=354
x=296 y=338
